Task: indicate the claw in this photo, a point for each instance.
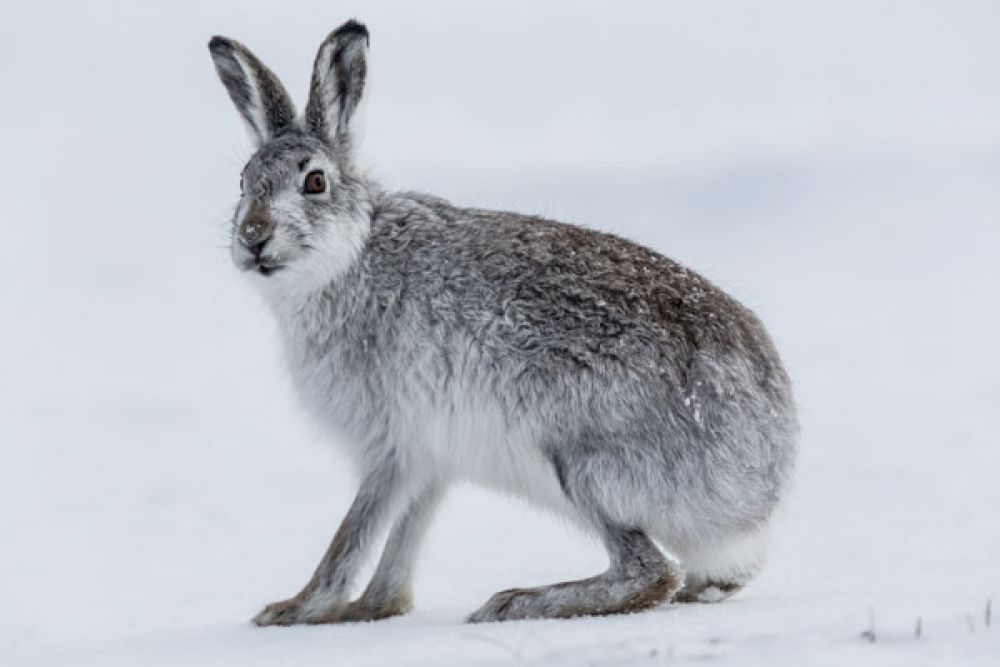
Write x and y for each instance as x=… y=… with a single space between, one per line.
x=503 y=607
x=286 y=612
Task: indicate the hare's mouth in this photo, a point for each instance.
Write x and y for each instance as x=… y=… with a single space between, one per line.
x=265 y=269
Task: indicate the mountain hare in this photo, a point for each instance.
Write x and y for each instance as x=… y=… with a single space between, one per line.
x=570 y=367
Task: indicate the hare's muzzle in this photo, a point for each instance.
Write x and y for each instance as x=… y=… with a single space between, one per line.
x=256 y=229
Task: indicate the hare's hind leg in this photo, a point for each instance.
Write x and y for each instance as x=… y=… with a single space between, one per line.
x=640 y=576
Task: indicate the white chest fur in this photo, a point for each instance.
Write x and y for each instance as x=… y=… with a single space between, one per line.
x=449 y=430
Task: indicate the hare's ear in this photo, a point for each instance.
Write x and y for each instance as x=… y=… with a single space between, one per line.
x=338 y=82
x=254 y=89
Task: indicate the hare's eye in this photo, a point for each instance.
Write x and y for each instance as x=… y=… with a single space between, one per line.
x=315 y=183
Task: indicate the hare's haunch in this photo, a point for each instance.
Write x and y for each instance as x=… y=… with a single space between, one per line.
x=574 y=368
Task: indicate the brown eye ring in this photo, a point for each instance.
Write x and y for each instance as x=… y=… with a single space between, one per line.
x=315 y=183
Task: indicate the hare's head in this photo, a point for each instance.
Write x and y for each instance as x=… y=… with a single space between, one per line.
x=304 y=210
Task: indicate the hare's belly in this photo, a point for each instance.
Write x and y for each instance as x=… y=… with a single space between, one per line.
x=510 y=468
x=476 y=445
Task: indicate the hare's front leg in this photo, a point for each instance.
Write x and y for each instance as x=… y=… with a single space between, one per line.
x=324 y=598
x=389 y=593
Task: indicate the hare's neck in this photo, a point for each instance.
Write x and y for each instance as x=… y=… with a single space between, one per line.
x=325 y=340
x=316 y=315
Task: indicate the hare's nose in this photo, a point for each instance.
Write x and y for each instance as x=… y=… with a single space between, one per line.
x=255 y=232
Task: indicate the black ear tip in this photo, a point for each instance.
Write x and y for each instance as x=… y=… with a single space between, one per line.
x=219 y=43
x=351 y=28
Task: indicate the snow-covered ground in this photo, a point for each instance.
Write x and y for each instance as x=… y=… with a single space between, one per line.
x=835 y=165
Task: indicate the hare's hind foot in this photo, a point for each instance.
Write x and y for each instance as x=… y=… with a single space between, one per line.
x=708 y=590
x=720 y=570
x=603 y=595
x=640 y=577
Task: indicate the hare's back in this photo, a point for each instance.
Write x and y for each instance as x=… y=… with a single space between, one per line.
x=564 y=292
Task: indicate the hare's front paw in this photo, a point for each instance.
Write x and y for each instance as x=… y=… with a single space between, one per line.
x=299 y=610
x=376 y=610
x=286 y=612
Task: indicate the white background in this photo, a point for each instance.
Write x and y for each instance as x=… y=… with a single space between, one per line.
x=834 y=165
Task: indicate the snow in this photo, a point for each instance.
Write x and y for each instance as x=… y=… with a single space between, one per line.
x=835 y=166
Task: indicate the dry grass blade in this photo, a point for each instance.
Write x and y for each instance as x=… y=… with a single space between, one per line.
x=870 y=633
